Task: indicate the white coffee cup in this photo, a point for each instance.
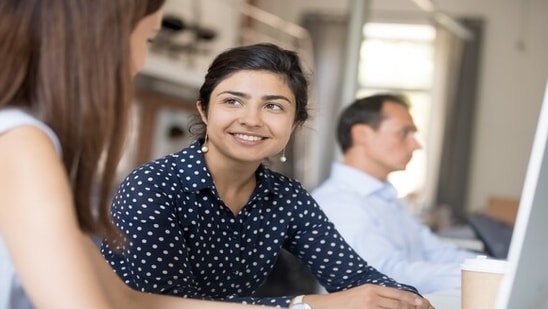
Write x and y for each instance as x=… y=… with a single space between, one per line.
x=480 y=281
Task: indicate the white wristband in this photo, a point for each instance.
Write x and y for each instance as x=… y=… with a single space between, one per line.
x=297 y=303
x=297 y=299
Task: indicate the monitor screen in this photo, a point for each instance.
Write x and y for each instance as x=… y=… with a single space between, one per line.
x=526 y=283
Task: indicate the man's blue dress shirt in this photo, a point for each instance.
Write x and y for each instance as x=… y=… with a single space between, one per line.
x=373 y=221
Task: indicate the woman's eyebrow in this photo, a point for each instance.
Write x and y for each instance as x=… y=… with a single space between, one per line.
x=276 y=97
x=267 y=97
x=235 y=93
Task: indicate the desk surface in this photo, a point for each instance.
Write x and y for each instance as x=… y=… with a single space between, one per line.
x=445 y=299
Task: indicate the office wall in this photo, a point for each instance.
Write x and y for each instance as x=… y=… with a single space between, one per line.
x=513 y=73
x=511 y=89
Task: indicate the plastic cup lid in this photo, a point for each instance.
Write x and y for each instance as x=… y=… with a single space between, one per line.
x=483 y=264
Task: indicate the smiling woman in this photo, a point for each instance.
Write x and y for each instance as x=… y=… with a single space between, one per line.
x=211 y=220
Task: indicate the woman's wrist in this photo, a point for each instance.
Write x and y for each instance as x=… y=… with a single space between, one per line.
x=299 y=303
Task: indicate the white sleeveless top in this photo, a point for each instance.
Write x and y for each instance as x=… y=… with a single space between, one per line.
x=12 y=295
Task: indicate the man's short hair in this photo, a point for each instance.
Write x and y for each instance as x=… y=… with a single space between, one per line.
x=368 y=111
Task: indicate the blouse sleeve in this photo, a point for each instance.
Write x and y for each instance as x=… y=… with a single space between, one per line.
x=316 y=242
x=154 y=244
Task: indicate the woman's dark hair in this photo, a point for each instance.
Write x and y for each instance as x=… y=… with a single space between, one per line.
x=366 y=111
x=68 y=63
x=257 y=57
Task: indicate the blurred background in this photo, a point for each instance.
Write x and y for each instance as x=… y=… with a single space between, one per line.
x=475 y=72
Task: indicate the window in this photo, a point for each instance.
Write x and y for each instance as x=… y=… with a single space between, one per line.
x=400 y=58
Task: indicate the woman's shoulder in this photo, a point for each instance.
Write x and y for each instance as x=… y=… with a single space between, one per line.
x=13 y=118
x=180 y=165
x=282 y=183
x=269 y=173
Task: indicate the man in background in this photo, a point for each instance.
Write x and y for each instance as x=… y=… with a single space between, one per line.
x=377 y=136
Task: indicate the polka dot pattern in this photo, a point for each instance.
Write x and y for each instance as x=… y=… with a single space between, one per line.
x=182 y=240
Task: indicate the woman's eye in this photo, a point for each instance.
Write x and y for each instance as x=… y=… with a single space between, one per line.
x=274 y=106
x=232 y=101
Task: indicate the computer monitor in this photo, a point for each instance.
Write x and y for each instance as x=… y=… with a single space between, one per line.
x=526 y=283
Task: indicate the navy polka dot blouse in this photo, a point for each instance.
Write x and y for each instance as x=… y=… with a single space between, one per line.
x=182 y=240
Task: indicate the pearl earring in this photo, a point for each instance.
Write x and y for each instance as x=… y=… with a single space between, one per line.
x=204 y=145
x=283 y=158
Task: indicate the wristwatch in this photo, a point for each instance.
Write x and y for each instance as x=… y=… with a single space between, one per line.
x=298 y=303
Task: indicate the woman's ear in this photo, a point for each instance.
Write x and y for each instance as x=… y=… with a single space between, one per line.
x=201 y=111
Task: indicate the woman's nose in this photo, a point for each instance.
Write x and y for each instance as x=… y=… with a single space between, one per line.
x=251 y=117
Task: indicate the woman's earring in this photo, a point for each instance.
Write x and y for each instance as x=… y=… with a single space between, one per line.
x=204 y=145
x=283 y=158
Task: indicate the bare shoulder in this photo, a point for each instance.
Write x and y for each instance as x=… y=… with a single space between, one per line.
x=31 y=171
x=27 y=149
x=22 y=139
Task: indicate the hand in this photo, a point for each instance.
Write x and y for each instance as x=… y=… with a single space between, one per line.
x=369 y=296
